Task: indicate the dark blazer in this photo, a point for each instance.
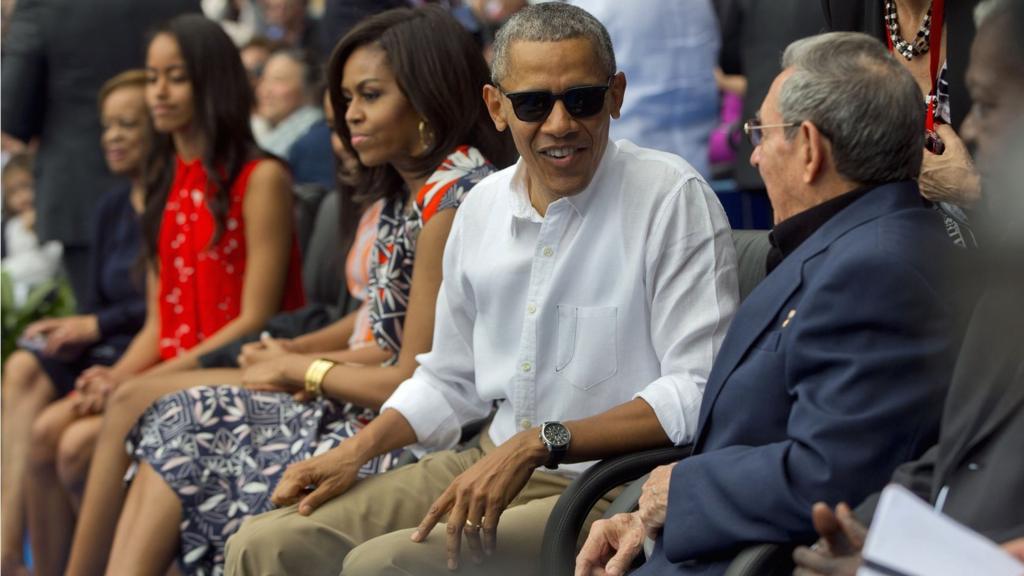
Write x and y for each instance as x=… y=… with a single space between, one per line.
x=979 y=455
x=56 y=56
x=866 y=16
x=832 y=374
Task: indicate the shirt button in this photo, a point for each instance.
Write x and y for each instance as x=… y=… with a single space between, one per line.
x=526 y=366
x=548 y=252
x=531 y=309
x=525 y=424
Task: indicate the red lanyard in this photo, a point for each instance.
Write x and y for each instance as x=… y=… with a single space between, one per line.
x=934 y=47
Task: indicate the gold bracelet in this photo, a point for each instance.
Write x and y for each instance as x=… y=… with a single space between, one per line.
x=315 y=375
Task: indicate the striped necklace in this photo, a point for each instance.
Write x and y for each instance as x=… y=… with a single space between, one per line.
x=908 y=49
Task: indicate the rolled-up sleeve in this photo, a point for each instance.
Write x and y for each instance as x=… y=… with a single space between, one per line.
x=441 y=396
x=694 y=293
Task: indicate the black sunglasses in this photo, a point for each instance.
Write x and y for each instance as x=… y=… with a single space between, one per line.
x=580 y=102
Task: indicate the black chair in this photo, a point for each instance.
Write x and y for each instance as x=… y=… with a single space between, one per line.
x=558 y=554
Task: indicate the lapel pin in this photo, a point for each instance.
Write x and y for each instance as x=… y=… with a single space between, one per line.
x=789 y=317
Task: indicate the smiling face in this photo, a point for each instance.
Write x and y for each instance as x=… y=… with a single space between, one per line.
x=168 y=86
x=561 y=153
x=280 y=91
x=384 y=126
x=125 y=136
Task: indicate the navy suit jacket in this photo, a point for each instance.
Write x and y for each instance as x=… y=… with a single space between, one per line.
x=833 y=373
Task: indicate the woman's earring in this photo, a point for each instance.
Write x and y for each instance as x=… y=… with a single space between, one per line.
x=425 y=136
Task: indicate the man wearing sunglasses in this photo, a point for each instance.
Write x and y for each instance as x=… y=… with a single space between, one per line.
x=586 y=290
x=834 y=369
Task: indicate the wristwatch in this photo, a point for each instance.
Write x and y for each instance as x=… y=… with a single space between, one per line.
x=556 y=439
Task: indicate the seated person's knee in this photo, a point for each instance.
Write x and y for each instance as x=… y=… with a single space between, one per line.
x=74 y=453
x=20 y=373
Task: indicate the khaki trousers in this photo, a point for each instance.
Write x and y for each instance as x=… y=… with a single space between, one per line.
x=376 y=517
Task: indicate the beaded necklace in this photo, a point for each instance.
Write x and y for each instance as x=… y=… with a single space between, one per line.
x=921 y=41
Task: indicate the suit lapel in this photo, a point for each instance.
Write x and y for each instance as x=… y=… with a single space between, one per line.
x=765 y=302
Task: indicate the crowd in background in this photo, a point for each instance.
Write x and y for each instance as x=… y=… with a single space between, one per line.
x=225 y=224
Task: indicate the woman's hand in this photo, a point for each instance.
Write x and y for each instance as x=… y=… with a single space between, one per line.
x=65 y=335
x=94 y=386
x=265 y=349
x=272 y=376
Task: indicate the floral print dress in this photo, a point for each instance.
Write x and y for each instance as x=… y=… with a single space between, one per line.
x=222 y=449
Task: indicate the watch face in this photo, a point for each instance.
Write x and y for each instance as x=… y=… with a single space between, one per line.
x=556 y=434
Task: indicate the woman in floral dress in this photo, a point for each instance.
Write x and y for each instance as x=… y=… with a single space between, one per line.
x=209 y=457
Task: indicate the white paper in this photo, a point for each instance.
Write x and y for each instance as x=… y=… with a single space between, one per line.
x=908 y=536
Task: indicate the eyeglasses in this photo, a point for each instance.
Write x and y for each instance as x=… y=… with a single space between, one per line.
x=580 y=102
x=754 y=129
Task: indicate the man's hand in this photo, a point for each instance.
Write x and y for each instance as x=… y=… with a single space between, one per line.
x=317 y=480
x=476 y=498
x=654 y=499
x=950 y=177
x=838 y=551
x=611 y=546
x=263 y=350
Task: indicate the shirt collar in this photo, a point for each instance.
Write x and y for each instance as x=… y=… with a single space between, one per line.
x=789 y=234
x=519 y=199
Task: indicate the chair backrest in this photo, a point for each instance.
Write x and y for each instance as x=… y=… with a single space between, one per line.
x=751 y=253
x=323 y=265
x=306 y=202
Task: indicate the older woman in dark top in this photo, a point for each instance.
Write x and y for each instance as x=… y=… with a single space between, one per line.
x=59 y=350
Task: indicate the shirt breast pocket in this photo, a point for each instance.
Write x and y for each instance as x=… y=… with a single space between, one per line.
x=587 y=351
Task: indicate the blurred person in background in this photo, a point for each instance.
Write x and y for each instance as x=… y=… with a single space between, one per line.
x=286 y=100
x=289 y=22
x=56 y=55
x=668 y=50
x=255 y=53
x=754 y=34
x=27 y=262
x=108 y=318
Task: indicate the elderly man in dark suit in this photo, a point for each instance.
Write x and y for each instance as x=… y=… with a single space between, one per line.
x=835 y=367
x=975 y=473
x=56 y=55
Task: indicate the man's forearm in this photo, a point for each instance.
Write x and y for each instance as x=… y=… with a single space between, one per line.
x=627 y=428
x=388 y=431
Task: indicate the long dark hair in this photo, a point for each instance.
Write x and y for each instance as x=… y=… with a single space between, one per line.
x=441 y=71
x=222 y=99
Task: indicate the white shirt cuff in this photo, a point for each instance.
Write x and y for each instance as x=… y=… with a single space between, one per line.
x=676 y=403
x=429 y=414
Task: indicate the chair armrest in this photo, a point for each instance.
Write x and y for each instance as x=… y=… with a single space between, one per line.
x=558 y=555
x=762 y=560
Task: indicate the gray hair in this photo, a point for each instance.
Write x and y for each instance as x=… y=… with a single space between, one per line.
x=551 y=22
x=862 y=99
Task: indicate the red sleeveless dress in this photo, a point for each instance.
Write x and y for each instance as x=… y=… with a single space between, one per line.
x=201 y=285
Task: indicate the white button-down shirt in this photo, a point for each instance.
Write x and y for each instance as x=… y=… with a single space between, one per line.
x=624 y=290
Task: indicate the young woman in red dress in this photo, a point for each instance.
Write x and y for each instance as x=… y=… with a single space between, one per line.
x=221 y=255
